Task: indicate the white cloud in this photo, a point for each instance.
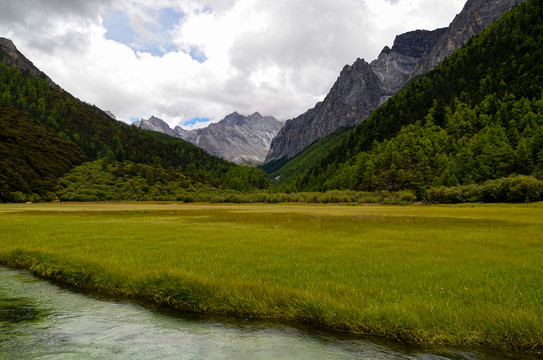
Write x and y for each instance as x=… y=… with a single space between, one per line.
x=276 y=57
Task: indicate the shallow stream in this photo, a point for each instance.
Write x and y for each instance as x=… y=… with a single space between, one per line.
x=41 y=320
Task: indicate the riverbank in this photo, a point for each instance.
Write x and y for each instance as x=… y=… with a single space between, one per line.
x=452 y=275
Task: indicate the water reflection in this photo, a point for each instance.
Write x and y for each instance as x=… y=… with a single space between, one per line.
x=42 y=320
x=14 y=313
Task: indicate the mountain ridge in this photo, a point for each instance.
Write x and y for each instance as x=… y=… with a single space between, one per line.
x=475 y=16
x=359 y=89
x=327 y=116
x=11 y=56
x=477 y=117
x=237 y=138
x=60 y=132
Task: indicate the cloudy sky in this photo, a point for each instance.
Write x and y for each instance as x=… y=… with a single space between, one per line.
x=193 y=61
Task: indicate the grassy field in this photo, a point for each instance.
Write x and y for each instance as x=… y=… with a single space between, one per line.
x=468 y=275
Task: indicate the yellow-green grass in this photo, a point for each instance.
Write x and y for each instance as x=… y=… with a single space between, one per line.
x=468 y=275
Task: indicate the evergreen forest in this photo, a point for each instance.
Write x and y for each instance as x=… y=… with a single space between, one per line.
x=470 y=130
x=45 y=132
x=477 y=117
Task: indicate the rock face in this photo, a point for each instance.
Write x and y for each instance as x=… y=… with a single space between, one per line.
x=359 y=89
x=394 y=66
x=110 y=114
x=474 y=17
x=237 y=138
x=155 y=124
x=362 y=87
x=12 y=57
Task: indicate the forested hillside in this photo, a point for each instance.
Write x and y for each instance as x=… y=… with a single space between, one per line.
x=32 y=155
x=477 y=116
x=45 y=132
x=284 y=170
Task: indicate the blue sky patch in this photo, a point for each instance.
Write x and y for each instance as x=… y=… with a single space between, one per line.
x=197 y=55
x=169 y=18
x=118 y=27
x=156 y=39
x=134 y=119
x=195 y=121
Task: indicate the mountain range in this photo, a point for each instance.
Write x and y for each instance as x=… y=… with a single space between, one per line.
x=237 y=138
x=45 y=133
x=362 y=87
x=476 y=117
x=359 y=89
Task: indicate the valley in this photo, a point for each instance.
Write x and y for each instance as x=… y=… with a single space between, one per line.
x=406 y=205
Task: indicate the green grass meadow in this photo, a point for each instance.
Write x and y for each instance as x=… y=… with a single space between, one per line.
x=466 y=275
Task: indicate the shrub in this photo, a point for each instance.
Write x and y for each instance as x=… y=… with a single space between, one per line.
x=516 y=188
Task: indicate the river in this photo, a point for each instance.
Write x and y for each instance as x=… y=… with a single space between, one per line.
x=41 y=320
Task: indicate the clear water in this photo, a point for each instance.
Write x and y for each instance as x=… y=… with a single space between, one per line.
x=40 y=320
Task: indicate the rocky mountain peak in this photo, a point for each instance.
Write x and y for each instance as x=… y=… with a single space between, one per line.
x=235 y=114
x=155 y=124
x=10 y=55
x=110 y=114
x=474 y=17
x=386 y=50
x=417 y=43
x=233 y=119
x=358 y=65
x=359 y=89
x=238 y=138
x=362 y=87
x=6 y=45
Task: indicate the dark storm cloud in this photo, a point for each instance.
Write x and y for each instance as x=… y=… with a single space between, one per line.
x=41 y=11
x=34 y=23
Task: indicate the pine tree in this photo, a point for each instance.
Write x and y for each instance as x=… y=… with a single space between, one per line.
x=523 y=158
